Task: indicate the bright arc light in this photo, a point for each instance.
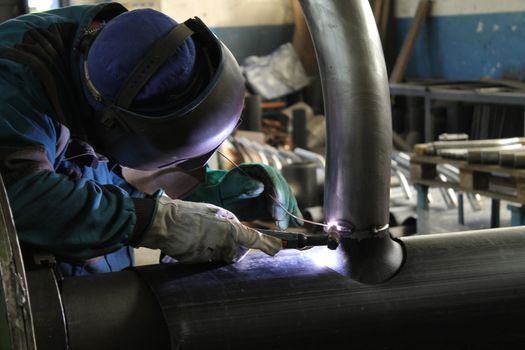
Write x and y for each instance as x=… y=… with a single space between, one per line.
x=334 y=225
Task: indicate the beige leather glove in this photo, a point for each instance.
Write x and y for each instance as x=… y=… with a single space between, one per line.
x=200 y=232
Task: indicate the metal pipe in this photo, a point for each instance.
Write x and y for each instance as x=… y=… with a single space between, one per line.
x=359 y=134
x=455 y=291
x=112 y=311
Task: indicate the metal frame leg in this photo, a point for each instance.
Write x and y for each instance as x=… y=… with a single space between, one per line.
x=494 y=213
x=429 y=120
x=422 y=197
x=461 y=209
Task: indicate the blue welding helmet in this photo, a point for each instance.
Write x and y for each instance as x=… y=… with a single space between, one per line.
x=180 y=128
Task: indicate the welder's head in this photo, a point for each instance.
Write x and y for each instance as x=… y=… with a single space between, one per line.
x=163 y=93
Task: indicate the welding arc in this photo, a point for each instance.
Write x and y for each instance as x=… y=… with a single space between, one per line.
x=272 y=197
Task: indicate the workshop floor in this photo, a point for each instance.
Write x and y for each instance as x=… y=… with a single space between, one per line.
x=439 y=218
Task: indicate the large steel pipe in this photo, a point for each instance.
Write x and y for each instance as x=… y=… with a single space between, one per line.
x=359 y=133
x=455 y=291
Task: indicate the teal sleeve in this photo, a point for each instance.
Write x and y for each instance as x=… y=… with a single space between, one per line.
x=77 y=219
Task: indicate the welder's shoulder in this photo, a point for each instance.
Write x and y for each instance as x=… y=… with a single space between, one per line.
x=21 y=88
x=22 y=28
x=18 y=30
x=24 y=113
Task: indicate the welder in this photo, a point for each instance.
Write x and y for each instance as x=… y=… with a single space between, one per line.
x=90 y=92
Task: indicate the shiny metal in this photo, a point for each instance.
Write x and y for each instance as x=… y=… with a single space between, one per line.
x=451 y=173
x=359 y=130
x=508 y=158
x=455 y=291
x=357 y=104
x=448 y=194
x=16 y=324
x=441 y=145
x=489 y=155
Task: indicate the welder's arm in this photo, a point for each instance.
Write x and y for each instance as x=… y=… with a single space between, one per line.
x=200 y=232
x=252 y=191
x=76 y=219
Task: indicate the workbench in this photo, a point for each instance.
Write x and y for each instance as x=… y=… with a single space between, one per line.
x=493 y=181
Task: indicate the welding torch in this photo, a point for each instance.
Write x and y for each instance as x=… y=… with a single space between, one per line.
x=298 y=240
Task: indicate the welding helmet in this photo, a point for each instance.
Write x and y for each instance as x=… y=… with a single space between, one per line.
x=148 y=115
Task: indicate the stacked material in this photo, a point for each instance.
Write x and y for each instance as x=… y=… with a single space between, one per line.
x=509 y=152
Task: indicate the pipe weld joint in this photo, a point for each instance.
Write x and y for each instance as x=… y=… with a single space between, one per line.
x=374 y=232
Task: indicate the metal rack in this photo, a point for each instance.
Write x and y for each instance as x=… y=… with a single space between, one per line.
x=494 y=181
x=503 y=93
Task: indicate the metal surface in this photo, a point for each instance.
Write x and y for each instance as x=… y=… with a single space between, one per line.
x=489 y=155
x=359 y=130
x=46 y=307
x=519 y=160
x=112 y=311
x=16 y=325
x=440 y=145
x=461 y=290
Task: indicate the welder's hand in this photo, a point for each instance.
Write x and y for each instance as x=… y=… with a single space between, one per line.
x=200 y=232
x=251 y=192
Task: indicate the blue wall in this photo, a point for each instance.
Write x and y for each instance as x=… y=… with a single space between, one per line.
x=244 y=41
x=468 y=47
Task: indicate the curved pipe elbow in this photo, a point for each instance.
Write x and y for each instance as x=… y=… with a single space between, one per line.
x=359 y=132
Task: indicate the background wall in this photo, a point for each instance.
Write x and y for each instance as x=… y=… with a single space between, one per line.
x=466 y=39
x=247 y=27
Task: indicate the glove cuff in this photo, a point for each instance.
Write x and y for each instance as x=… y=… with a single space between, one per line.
x=145 y=209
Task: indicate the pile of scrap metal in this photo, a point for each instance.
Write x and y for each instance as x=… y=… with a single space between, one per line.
x=509 y=152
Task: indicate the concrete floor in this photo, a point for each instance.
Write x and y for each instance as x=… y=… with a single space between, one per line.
x=439 y=219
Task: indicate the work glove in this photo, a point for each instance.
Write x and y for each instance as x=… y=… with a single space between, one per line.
x=251 y=191
x=202 y=232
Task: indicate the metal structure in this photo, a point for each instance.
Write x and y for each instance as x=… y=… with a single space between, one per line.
x=444 y=93
x=16 y=326
x=359 y=134
x=454 y=291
